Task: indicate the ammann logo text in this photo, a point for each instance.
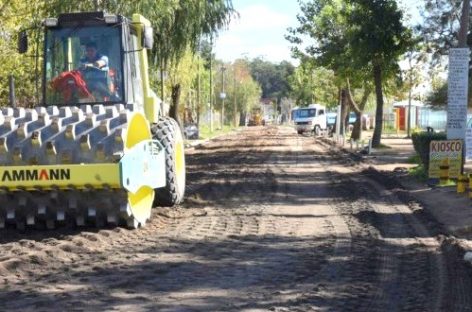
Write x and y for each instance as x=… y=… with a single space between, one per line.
x=36 y=175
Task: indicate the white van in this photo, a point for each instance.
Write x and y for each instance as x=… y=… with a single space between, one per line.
x=311 y=118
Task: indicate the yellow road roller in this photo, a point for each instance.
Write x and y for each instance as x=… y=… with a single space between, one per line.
x=98 y=151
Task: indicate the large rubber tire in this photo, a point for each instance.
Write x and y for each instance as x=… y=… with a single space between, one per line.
x=168 y=133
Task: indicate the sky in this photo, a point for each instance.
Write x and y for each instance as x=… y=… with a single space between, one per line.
x=260 y=29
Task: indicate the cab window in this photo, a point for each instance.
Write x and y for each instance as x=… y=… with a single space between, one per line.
x=74 y=75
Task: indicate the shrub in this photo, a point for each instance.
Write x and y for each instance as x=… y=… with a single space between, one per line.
x=419 y=173
x=421 y=142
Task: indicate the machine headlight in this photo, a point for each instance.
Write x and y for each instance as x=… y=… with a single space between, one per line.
x=50 y=22
x=111 y=19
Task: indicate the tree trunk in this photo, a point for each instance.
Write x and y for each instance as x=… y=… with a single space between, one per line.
x=242 y=119
x=344 y=112
x=235 y=115
x=357 y=130
x=174 y=108
x=379 y=109
x=347 y=112
x=358 y=109
x=198 y=117
x=199 y=85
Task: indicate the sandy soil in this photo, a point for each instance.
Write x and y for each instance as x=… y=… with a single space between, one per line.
x=272 y=222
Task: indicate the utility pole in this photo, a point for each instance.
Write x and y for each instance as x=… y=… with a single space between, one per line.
x=235 y=120
x=464 y=24
x=198 y=95
x=211 y=83
x=222 y=96
x=312 y=88
x=408 y=129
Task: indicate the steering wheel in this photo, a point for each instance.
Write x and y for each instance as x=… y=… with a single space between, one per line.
x=96 y=79
x=89 y=67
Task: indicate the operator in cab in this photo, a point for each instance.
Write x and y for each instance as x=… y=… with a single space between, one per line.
x=93 y=59
x=95 y=70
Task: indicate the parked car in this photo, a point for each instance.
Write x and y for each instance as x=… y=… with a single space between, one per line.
x=366 y=121
x=331 y=119
x=191 y=132
x=352 y=118
x=268 y=120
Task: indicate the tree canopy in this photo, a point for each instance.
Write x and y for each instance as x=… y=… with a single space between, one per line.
x=440 y=26
x=354 y=38
x=311 y=84
x=273 y=78
x=439 y=32
x=179 y=25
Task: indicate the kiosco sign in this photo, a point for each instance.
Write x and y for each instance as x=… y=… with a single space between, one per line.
x=440 y=150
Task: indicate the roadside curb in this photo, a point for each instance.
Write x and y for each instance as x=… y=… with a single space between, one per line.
x=354 y=155
x=192 y=144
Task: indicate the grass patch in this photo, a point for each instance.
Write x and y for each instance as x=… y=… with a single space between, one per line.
x=415 y=159
x=383 y=146
x=205 y=132
x=392 y=131
x=449 y=183
x=419 y=173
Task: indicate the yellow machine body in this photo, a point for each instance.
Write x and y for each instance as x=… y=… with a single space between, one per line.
x=94 y=159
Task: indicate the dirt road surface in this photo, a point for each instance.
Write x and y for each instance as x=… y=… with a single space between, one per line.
x=272 y=222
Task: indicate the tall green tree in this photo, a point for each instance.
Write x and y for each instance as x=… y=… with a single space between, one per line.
x=242 y=91
x=178 y=25
x=355 y=38
x=326 y=22
x=440 y=26
x=273 y=78
x=15 y=15
x=379 y=38
x=311 y=84
x=439 y=32
x=191 y=20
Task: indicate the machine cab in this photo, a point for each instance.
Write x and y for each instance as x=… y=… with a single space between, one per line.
x=92 y=58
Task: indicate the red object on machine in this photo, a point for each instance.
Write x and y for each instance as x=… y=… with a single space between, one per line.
x=112 y=86
x=71 y=81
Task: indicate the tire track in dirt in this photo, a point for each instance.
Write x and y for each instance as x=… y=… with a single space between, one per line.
x=454 y=275
x=412 y=265
x=230 y=247
x=330 y=266
x=433 y=263
x=278 y=226
x=272 y=221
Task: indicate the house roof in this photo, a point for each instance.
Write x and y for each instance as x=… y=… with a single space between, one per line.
x=404 y=103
